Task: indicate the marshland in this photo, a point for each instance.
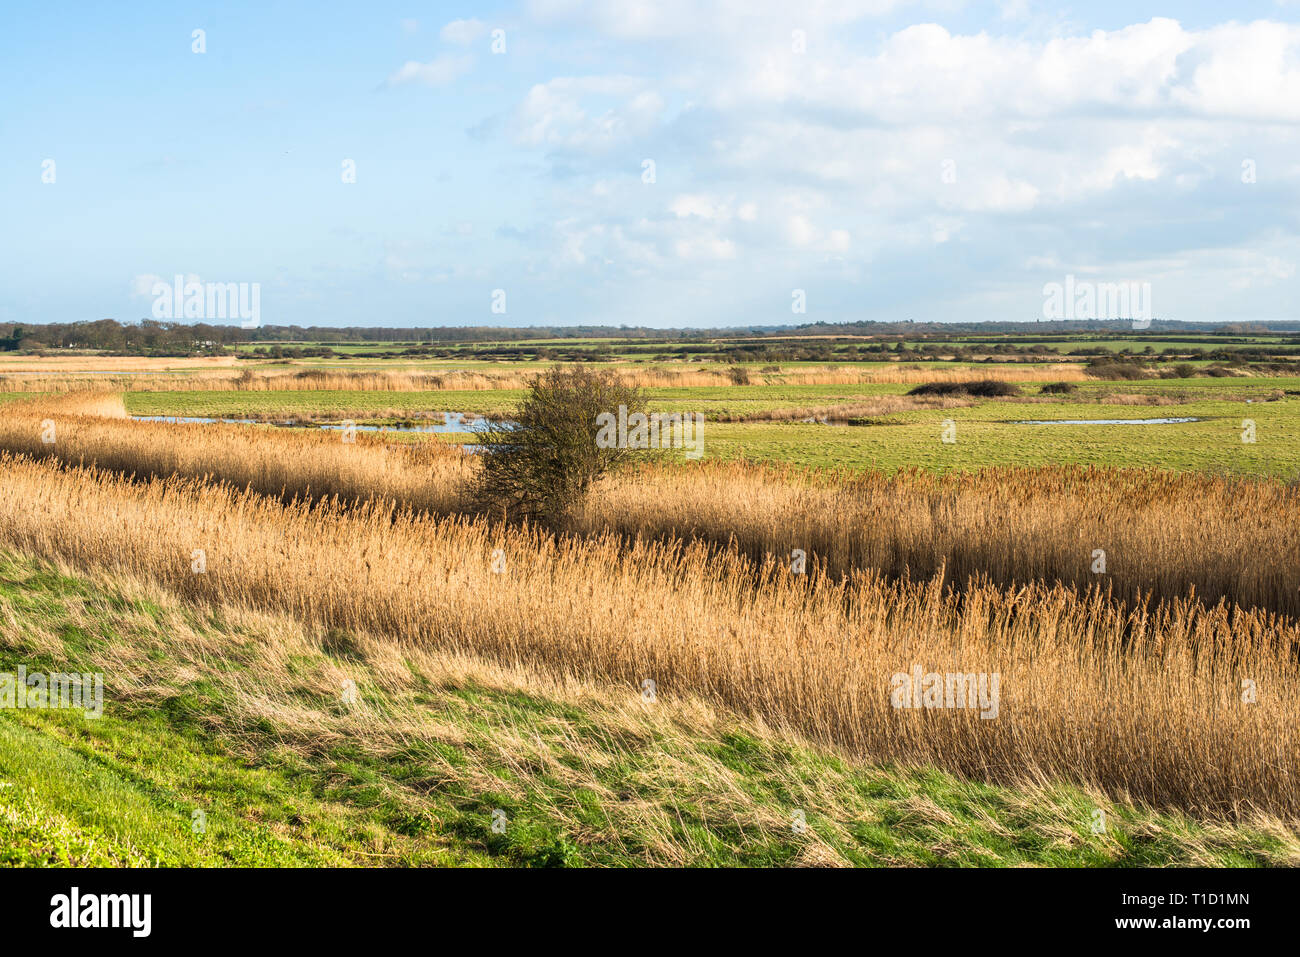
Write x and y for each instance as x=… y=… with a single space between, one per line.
x=678 y=656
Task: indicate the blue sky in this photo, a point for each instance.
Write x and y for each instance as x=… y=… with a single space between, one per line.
x=938 y=161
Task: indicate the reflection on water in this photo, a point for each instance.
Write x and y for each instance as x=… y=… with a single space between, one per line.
x=453 y=422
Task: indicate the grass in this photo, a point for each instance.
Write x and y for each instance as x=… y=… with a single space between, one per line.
x=92 y=427
x=987 y=433
x=479 y=691
x=714 y=401
x=324 y=405
x=225 y=711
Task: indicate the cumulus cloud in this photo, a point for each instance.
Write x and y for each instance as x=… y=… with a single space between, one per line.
x=1000 y=156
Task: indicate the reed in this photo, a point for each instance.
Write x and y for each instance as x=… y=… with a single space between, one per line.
x=1168 y=534
x=229 y=380
x=1136 y=531
x=1137 y=698
x=92 y=428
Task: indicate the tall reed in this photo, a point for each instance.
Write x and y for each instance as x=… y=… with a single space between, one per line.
x=1138 y=698
x=1170 y=534
x=481 y=379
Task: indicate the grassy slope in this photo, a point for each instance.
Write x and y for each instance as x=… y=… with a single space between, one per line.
x=234 y=714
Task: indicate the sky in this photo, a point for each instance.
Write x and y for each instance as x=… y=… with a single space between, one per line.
x=665 y=163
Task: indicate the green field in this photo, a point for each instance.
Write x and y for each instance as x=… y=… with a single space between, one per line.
x=986 y=433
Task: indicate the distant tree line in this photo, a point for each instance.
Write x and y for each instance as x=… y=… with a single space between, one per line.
x=148 y=337
x=755 y=343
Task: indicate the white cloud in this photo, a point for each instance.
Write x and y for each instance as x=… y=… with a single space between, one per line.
x=800 y=230
x=437 y=72
x=586 y=113
x=462 y=32
x=1112 y=151
x=924 y=73
x=705 y=248
x=699 y=205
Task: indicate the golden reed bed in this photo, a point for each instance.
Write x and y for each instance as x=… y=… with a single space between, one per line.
x=1139 y=700
x=229 y=380
x=93 y=428
x=1163 y=533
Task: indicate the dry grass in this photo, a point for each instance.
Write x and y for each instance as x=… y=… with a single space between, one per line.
x=1163 y=533
x=14 y=362
x=1134 y=699
x=92 y=428
x=682 y=376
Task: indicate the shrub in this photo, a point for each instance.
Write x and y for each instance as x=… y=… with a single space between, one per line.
x=1059 y=388
x=541 y=465
x=1115 y=370
x=738 y=375
x=983 y=388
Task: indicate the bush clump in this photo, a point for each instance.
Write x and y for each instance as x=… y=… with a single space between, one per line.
x=983 y=388
x=1112 y=369
x=540 y=466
